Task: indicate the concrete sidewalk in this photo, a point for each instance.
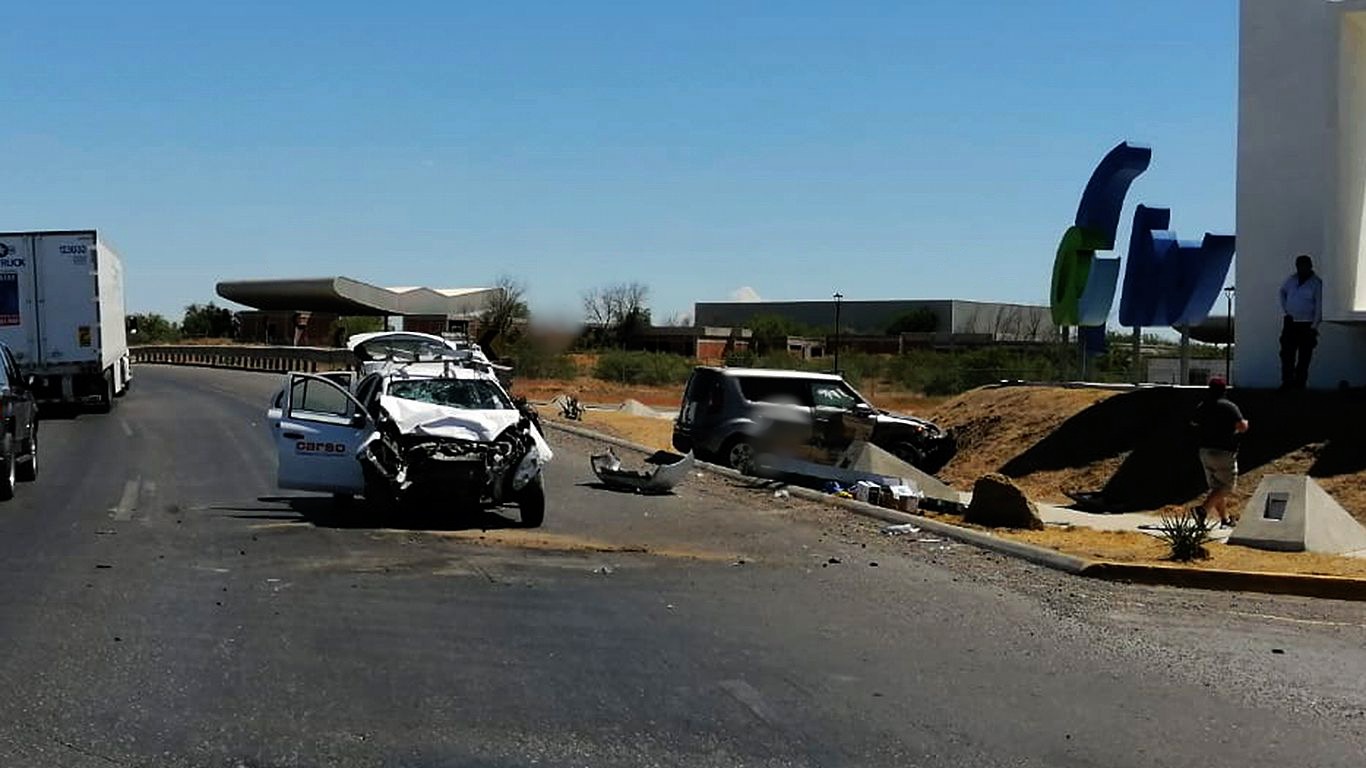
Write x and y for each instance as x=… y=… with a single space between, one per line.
x=1141 y=522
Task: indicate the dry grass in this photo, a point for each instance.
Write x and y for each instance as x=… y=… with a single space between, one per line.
x=652 y=433
x=1131 y=547
x=595 y=392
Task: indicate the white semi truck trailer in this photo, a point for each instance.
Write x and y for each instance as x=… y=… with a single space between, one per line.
x=62 y=314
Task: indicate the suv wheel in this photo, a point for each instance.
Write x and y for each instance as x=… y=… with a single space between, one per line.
x=28 y=471
x=909 y=454
x=738 y=454
x=8 y=465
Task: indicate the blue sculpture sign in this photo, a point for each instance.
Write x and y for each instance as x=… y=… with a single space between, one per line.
x=1083 y=284
x=1167 y=281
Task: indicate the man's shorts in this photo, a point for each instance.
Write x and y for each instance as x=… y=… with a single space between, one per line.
x=1221 y=468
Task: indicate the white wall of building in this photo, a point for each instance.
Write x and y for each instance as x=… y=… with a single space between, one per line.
x=1302 y=180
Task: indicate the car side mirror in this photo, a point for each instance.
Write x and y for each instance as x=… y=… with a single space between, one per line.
x=863 y=409
x=359 y=419
x=30 y=380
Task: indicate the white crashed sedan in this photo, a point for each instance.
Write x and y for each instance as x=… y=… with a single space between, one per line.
x=436 y=432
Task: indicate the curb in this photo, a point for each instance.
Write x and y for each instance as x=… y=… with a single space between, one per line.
x=1303 y=585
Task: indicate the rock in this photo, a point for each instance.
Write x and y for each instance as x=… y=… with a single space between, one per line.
x=999 y=503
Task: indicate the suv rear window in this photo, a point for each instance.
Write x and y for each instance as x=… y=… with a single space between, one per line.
x=705 y=388
x=775 y=390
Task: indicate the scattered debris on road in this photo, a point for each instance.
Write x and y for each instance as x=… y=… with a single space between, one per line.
x=667 y=470
x=897 y=530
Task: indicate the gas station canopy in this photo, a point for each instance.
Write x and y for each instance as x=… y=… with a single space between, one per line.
x=344 y=296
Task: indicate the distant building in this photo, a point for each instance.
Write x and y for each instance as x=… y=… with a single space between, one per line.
x=705 y=343
x=1167 y=370
x=955 y=318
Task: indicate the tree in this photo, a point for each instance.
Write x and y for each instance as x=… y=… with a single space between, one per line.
x=207 y=321
x=502 y=309
x=918 y=320
x=354 y=324
x=770 y=332
x=151 y=328
x=616 y=312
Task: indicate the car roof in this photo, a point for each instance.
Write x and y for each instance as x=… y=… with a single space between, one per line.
x=434 y=371
x=775 y=373
x=354 y=341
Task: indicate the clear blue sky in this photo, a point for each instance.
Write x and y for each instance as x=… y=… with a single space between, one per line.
x=921 y=148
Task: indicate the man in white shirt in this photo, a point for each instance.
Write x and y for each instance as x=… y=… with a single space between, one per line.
x=1302 y=303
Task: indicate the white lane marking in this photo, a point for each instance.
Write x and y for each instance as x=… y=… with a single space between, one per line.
x=127 y=430
x=748 y=695
x=129 y=501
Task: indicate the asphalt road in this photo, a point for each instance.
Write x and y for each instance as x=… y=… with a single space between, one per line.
x=162 y=604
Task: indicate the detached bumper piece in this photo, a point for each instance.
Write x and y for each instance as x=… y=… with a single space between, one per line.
x=664 y=471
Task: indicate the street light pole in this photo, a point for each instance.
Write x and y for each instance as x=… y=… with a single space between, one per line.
x=1228 y=345
x=837 y=297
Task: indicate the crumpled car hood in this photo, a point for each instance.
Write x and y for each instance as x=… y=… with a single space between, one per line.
x=414 y=418
x=888 y=417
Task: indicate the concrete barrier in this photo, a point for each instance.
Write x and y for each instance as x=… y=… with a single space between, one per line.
x=244 y=358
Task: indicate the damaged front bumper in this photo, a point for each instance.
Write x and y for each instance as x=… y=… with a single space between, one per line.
x=453 y=470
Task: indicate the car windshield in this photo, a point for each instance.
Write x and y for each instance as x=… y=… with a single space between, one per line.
x=474 y=394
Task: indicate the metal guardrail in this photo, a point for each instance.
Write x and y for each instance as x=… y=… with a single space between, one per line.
x=245 y=358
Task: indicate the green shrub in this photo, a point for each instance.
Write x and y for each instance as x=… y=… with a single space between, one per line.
x=1186 y=536
x=649 y=368
x=530 y=360
x=740 y=359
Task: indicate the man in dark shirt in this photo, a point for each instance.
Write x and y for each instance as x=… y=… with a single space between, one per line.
x=1218 y=424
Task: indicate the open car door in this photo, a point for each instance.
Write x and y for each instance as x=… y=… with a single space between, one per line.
x=277 y=404
x=321 y=428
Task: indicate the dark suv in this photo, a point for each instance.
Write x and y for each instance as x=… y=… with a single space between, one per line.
x=729 y=414
x=19 y=410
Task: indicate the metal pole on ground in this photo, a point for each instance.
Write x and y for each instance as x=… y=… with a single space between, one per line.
x=1136 y=356
x=1228 y=345
x=1081 y=353
x=837 y=296
x=1185 y=354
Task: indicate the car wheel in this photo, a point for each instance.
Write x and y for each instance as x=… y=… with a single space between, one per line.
x=909 y=454
x=738 y=454
x=377 y=494
x=28 y=471
x=531 y=503
x=9 y=479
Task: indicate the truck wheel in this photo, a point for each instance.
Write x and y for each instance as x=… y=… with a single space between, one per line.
x=28 y=471
x=8 y=466
x=106 y=403
x=531 y=503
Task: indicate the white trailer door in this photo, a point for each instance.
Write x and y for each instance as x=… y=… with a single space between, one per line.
x=69 y=327
x=18 y=298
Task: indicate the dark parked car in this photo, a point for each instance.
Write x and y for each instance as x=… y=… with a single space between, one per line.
x=729 y=414
x=19 y=452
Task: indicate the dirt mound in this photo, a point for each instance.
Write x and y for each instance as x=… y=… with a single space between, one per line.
x=1135 y=451
x=993 y=425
